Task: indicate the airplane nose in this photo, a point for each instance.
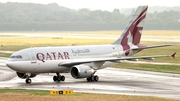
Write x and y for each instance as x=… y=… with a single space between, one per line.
x=9 y=64
x=12 y=65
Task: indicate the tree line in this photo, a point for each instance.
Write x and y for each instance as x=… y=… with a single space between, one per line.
x=52 y=17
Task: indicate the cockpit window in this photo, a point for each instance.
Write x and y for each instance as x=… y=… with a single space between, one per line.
x=13 y=57
x=17 y=57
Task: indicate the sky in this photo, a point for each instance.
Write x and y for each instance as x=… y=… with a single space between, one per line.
x=108 y=5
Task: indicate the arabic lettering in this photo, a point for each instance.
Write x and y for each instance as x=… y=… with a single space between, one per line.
x=78 y=51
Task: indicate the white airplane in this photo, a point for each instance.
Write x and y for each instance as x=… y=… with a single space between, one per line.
x=83 y=61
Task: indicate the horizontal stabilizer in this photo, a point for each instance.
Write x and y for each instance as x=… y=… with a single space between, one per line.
x=154 y=46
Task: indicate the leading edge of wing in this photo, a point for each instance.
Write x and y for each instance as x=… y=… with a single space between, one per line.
x=89 y=60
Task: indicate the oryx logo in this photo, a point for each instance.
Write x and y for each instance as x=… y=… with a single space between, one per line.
x=133 y=33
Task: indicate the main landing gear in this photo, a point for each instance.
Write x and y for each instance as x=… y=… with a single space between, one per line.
x=92 y=78
x=58 y=78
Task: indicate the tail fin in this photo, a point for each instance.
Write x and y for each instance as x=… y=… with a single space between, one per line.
x=132 y=33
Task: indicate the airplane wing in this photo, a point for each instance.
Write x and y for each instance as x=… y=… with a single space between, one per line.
x=81 y=61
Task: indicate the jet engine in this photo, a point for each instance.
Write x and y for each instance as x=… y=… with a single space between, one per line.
x=81 y=71
x=25 y=75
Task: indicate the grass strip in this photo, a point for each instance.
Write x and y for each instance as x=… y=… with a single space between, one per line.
x=150 y=67
x=43 y=95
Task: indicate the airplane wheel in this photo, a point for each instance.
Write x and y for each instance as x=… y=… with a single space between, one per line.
x=88 y=79
x=62 y=78
x=55 y=78
x=92 y=78
x=96 y=78
x=28 y=81
x=58 y=78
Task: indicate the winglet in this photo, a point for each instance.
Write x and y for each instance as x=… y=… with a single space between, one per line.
x=173 y=55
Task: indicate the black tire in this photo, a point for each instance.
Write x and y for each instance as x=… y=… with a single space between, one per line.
x=92 y=78
x=88 y=79
x=58 y=78
x=28 y=81
x=62 y=78
x=96 y=78
x=55 y=78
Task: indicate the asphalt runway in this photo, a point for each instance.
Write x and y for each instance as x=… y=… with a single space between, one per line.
x=112 y=81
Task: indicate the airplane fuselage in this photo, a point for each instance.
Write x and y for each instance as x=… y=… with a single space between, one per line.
x=46 y=59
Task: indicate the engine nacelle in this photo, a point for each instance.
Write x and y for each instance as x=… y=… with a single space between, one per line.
x=81 y=71
x=25 y=75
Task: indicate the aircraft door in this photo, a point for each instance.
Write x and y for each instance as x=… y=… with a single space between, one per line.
x=34 y=63
x=33 y=58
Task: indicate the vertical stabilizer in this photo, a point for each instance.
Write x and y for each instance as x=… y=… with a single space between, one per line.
x=132 y=33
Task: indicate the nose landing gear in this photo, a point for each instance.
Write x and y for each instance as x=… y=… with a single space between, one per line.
x=28 y=81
